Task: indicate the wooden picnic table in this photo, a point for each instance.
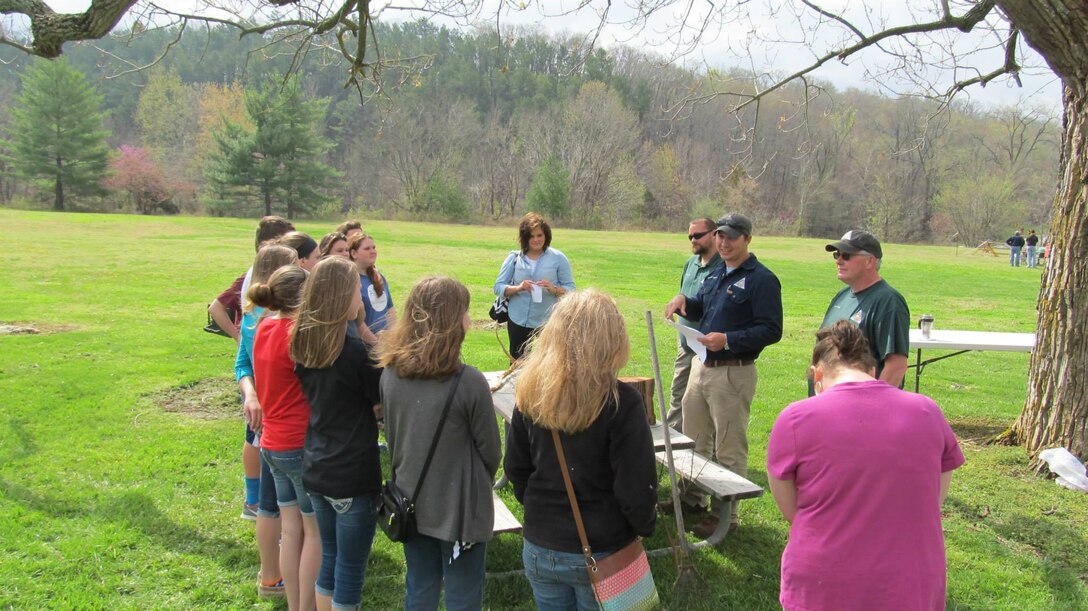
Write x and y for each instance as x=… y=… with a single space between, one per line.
x=503 y=399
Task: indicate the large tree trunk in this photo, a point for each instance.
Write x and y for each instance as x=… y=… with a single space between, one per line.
x=1056 y=410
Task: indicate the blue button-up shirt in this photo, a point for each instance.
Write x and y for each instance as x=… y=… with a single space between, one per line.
x=552 y=265
x=745 y=304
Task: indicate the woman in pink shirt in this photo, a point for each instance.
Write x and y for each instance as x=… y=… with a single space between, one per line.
x=860 y=472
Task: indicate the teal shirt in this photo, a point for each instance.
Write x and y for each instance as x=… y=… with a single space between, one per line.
x=690 y=280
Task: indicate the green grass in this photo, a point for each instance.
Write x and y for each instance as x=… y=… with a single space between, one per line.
x=109 y=501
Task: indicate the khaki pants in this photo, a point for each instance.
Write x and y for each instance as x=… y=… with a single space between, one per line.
x=716 y=407
x=680 y=372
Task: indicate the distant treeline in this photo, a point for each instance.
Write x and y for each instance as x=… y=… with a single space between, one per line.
x=464 y=122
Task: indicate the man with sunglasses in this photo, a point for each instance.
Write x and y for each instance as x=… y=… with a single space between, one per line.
x=704 y=259
x=871 y=303
x=739 y=311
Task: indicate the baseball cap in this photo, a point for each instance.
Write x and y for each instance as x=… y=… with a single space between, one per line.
x=855 y=241
x=734 y=225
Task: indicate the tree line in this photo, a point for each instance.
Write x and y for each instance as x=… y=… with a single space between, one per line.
x=471 y=125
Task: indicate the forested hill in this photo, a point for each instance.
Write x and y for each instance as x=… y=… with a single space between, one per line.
x=470 y=125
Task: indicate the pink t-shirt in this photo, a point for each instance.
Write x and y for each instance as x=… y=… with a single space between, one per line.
x=866 y=459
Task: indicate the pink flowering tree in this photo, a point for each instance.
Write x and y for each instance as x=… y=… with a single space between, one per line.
x=136 y=173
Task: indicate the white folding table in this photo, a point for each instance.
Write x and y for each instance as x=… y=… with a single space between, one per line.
x=964 y=341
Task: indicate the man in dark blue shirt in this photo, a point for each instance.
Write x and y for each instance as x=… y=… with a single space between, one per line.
x=739 y=311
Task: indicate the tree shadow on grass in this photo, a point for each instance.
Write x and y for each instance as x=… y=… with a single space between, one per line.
x=1059 y=546
x=137 y=511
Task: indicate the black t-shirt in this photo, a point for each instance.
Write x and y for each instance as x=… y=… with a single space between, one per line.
x=341 y=453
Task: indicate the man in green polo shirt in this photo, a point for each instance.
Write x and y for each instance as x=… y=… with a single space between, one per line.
x=704 y=259
x=871 y=303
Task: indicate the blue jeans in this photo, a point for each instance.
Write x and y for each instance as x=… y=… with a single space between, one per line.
x=346 y=527
x=1033 y=255
x=429 y=565
x=267 y=507
x=287 y=473
x=1014 y=256
x=559 y=579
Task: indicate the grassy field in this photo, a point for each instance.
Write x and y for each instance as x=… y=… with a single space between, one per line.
x=120 y=475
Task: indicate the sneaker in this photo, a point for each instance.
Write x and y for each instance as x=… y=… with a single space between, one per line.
x=249 y=512
x=270 y=590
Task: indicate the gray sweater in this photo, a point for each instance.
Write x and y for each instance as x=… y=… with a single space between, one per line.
x=455 y=502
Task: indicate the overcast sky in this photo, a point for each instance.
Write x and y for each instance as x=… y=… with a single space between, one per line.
x=772 y=37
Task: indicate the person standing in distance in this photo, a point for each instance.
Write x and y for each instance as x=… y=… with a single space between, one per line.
x=1016 y=244
x=1031 y=248
x=870 y=302
x=704 y=259
x=739 y=309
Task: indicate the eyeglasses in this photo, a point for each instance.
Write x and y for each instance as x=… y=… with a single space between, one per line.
x=845 y=256
x=697 y=236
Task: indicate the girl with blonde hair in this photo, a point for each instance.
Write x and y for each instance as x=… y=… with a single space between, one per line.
x=341 y=469
x=454 y=510
x=568 y=384
x=378 y=312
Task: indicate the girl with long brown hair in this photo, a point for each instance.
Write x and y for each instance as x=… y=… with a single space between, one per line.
x=455 y=516
x=341 y=469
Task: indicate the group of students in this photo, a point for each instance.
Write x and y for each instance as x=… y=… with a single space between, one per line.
x=318 y=385
x=318 y=388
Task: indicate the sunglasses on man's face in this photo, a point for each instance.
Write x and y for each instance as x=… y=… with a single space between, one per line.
x=845 y=256
x=697 y=236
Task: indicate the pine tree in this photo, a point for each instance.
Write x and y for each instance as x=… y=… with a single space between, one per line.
x=279 y=161
x=56 y=137
x=549 y=193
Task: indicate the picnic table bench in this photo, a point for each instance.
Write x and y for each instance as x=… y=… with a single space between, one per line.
x=505 y=522
x=724 y=486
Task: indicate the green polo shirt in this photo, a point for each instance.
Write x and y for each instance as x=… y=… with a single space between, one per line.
x=690 y=281
x=882 y=314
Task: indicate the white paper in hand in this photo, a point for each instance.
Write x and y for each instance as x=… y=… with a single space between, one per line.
x=538 y=293
x=692 y=336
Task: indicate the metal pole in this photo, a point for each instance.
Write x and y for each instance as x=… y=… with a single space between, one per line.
x=677 y=510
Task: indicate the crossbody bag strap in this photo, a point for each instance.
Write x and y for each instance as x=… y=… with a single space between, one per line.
x=586 y=551
x=437 y=433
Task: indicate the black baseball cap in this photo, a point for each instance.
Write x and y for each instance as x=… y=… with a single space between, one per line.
x=855 y=241
x=734 y=225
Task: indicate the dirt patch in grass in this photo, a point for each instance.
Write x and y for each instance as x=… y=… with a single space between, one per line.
x=207 y=399
x=978 y=430
x=30 y=328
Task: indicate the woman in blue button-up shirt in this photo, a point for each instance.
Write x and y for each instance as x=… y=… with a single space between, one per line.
x=533 y=279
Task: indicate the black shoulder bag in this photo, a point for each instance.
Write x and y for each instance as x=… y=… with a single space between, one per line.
x=397 y=513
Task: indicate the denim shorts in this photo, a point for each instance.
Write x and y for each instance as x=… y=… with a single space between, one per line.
x=287 y=472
